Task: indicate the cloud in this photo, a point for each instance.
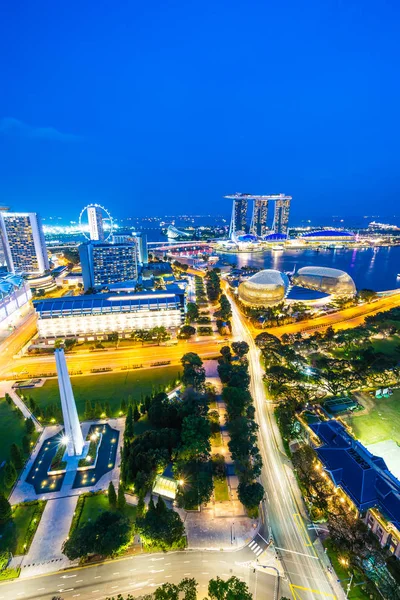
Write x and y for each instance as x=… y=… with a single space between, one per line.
x=11 y=126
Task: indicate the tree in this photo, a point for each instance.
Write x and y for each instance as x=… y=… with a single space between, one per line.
x=32 y=405
x=98 y=410
x=10 y=474
x=160 y=334
x=192 y=311
x=69 y=343
x=186 y=332
x=195 y=438
x=193 y=371
x=89 y=411
x=231 y=589
x=16 y=456
x=107 y=410
x=240 y=348
x=250 y=495
x=162 y=529
x=26 y=445
x=112 y=496
x=107 y=534
x=129 y=424
x=113 y=337
x=226 y=354
x=5 y=509
x=123 y=406
x=7 y=398
x=136 y=414
x=121 y=500
x=29 y=426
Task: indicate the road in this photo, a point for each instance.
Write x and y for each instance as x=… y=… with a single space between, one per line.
x=114 y=358
x=142 y=574
x=283 y=506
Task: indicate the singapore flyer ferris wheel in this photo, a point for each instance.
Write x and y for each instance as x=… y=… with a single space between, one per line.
x=95 y=223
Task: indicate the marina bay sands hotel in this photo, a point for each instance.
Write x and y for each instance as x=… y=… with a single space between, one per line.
x=258 y=223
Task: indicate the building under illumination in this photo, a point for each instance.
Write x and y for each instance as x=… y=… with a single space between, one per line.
x=14 y=300
x=258 y=225
x=95 y=219
x=104 y=264
x=281 y=213
x=259 y=218
x=23 y=243
x=93 y=316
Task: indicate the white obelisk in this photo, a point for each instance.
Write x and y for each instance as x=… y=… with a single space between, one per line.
x=73 y=432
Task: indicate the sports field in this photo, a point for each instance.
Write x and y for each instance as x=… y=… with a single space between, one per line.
x=381 y=423
x=109 y=387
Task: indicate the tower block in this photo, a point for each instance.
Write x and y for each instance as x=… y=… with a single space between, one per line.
x=72 y=426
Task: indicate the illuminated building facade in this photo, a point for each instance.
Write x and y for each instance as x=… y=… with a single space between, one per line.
x=23 y=243
x=259 y=218
x=265 y=288
x=92 y=316
x=104 y=264
x=239 y=214
x=258 y=226
x=14 y=299
x=325 y=279
x=95 y=219
x=281 y=213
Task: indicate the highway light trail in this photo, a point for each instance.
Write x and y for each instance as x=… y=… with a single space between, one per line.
x=283 y=504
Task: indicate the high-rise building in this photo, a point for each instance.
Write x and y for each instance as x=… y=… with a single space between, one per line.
x=104 y=264
x=143 y=253
x=259 y=218
x=95 y=218
x=281 y=214
x=23 y=243
x=239 y=214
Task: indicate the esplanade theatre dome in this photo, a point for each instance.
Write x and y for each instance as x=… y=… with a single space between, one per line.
x=265 y=288
x=325 y=279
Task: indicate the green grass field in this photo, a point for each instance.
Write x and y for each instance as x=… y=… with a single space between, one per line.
x=94 y=505
x=14 y=533
x=381 y=423
x=12 y=429
x=109 y=387
x=221 y=491
x=388 y=345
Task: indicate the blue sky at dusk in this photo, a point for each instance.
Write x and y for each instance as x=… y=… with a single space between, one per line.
x=164 y=107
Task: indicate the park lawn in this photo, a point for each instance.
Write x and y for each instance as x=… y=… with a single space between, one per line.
x=109 y=387
x=12 y=429
x=388 y=345
x=342 y=573
x=142 y=425
x=14 y=534
x=95 y=504
x=381 y=423
x=221 y=491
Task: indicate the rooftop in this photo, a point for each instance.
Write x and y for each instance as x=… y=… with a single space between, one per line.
x=363 y=476
x=328 y=233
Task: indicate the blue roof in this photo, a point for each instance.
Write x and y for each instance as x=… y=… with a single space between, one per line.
x=275 y=237
x=248 y=237
x=107 y=303
x=364 y=477
x=328 y=233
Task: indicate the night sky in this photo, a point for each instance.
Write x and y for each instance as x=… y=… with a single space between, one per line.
x=163 y=107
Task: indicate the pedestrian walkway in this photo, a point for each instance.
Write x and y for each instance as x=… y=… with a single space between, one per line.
x=6 y=388
x=45 y=554
x=254 y=547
